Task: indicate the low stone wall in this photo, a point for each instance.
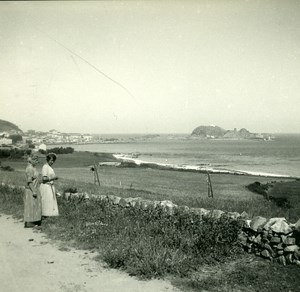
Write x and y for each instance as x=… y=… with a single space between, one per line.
x=274 y=239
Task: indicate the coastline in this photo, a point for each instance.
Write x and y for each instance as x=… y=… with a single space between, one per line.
x=124 y=158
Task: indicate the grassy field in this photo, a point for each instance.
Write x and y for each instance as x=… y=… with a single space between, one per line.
x=182 y=188
x=203 y=256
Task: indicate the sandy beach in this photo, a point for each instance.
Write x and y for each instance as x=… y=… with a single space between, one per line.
x=138 y=162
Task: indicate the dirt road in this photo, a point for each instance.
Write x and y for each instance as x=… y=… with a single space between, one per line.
x=29 y=262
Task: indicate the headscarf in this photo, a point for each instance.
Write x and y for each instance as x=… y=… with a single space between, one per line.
x=32 y=157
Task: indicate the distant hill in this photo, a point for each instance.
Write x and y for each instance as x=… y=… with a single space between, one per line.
x=208 y=131
x=6 y=126
x=218 y=132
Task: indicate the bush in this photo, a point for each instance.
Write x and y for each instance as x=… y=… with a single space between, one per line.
x=6 y=168
x=15 y=138
x=61 y=150
x=263 y=189
x=70 y=190
x=13 y=153
x=259 y=188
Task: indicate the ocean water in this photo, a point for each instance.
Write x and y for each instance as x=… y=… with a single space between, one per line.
x=280 y=156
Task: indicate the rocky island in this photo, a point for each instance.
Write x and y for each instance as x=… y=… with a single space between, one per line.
x=216 y=132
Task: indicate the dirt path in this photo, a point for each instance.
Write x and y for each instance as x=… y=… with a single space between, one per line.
x=31 y=263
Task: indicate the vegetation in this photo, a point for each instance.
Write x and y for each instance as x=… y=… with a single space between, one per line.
x=182 y=188
x=205 y=131
x=14 y=153
x=284 y=194
x=58 y=150
x=199 y=254
x=6 y=126
x=6 y=167
x=15 y=138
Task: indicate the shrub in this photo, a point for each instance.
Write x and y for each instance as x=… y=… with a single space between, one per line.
x=61 y=150
x=70 y=190
x=14 y=153
x=6 y=168
x=258 y=188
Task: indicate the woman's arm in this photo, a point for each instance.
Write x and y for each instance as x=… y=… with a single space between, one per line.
x=32 y=188
x=46 y=179
x=29 y=175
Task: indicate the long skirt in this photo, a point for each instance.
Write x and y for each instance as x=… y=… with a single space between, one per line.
x=49 y=203
x=32 y=207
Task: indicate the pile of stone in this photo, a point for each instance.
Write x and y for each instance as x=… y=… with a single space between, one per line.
x=274 y=239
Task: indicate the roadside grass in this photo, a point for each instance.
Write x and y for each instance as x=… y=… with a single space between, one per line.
x=11 y=201
x=247 y=274
x=196 y=254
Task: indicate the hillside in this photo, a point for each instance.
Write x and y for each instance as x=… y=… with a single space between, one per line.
x=218 y=132
x=208 y=131
x=6 y=126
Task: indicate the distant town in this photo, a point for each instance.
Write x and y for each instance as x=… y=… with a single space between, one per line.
x=40 y=140
x=52 y=137
x=13 y=137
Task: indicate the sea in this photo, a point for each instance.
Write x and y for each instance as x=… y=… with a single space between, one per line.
x=279 y=156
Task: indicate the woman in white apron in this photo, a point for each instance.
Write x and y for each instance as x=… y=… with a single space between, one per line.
x=32 y=199
x=47 y=188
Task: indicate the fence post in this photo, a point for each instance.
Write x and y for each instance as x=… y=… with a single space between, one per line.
x=209 y=186
x=96 y=176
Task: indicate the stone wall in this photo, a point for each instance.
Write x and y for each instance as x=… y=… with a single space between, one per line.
x=274 y=239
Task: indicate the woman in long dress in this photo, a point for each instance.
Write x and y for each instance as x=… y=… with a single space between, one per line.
x=47 y=188
x=32 y=199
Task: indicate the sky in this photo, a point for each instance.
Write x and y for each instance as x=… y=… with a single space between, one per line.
x=150 y=66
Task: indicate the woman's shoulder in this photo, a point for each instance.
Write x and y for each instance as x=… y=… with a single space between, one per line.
x=29 y=167
x=45 y=167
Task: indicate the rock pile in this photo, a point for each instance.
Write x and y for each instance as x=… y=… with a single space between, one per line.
x=274 y=239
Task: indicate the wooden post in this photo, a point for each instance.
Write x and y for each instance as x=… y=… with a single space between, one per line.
x=209 y=186
x=96 y=174
x=93 y=169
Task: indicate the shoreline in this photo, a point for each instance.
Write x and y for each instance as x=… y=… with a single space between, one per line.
x=194 y=168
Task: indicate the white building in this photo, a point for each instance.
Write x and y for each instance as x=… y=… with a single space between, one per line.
x=43 y=147
x=5 y=141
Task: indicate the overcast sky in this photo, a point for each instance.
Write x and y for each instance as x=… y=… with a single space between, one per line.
x=169 y=66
